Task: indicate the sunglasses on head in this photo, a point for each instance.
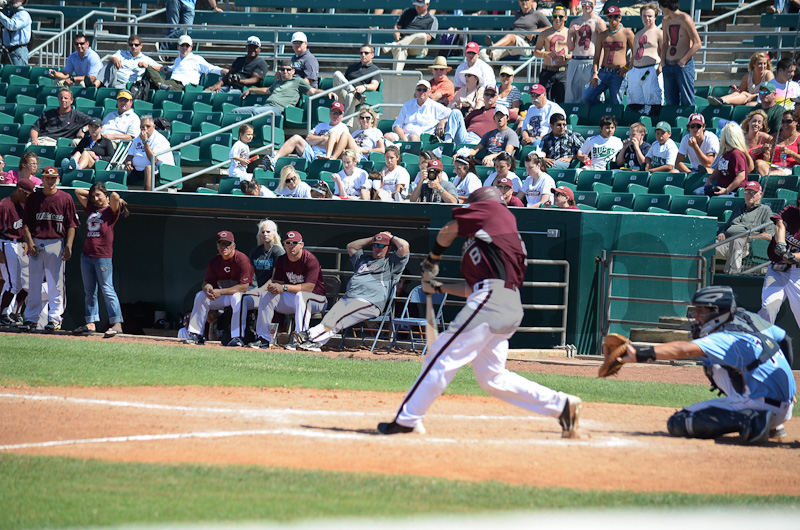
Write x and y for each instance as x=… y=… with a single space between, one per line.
x=292 y=243
x=378 y=245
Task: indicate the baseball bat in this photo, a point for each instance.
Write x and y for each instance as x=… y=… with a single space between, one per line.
x=431 y=331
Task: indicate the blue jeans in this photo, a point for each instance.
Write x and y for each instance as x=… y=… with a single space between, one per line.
x=99 y=271
x=607 y=80
x=679 y=84
x=178 y=12
x=457 y=130
x=257 y=109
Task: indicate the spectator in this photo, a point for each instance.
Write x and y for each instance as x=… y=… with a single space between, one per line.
x=368 y=139
x=470 y=96
x=327 y=140
x=700 y=146
x=291 y=186
x=601 y=149
x=264 y=254
x=126 y=66
x=49 y=224
x=645 y=82
x=186 y=70
x=13 y=249
x=504 y=166
x=395 y=180
x=181 y=13
x=786 y=90
x=662 y=154
x=375 y=187
x=245 y=72
x=305 y=64
x=733 y=163
x=611 y=61
x=507 y=94
x=103 y=210
x=61 y=122
x=321 y=190
x=581 y=42
x=296 y=287
x=471 y=128
x=471 y=59
x=16 y=24
x=564 y=198
x=82 y=67
x=787 y=147
x=123 y=123
x=253 y=188
x=537 y=120
x=744 y=217
x=560 y=145
x=424 y=158
x=758 y=140
x=442 y=90
x=284 y=92
x=527 y=19
x=433 y=188
x=506 y=187
x=418 y=116
x=355 y=93
x=634 y=149
x=536 y=190
x=677 y=54
x=90 y=149
x=148 y=143
x=758 y=71
x=424 y=25
x=367 y=291
x=767 y=94
x=351 y=181
x=466 y=180
x=2 y=169
x=227 y=278
x=240 y=154
x=502 y=139
x=552 y=48
x=28 y=167
x=784 y=6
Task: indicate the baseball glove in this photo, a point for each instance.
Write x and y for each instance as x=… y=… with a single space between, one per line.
x=614 y=347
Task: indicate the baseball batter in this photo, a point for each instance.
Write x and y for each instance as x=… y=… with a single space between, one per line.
x=49 y=226
x=368 y=290
x=12 y=250
x=581 y=42
x=645 y=82
x=297 y=287
x=782 y=280
x=493 y=266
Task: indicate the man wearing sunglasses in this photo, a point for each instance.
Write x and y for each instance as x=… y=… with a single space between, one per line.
x=284 y=92
x=326 y=140
x=611 y=61
x=418 y=116
x=186 y=70
x=700 y=147
x=127 y=66
x=228 y=276
x=581 y=43
x=552 y=48
x=376 y=272
x=82 y=67
x=527 y=19
x=767 y=95
x=353 y=93
x=13 y=249
x=296 y=287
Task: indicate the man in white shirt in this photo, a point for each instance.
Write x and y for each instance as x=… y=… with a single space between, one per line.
x=598 y=150
x=472 y=59
x=418 y=116
x=186 y=70
x=123 y=123
x=143 y=147
x=537 y=120
x=327 y=140
x=126 y=66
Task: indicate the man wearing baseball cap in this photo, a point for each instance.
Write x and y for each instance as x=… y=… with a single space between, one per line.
x=506 y=187
x=582 y=39
x=471 y=128
x=537 y=120
x=326 y=140
x=432 y=188
x=662 y=154
x=418 y=116
x=419 y=28
x=612 y=63
x=564 y=198
x=700 y=147
x=123 y=123
x=377 y=271
x=296 y=287
x=228 y=276
x=92 y=147
x=472 y=59
x=527 y=19
x=12 y=251
x=245 y=72
x=186 y=70
x=496 y=141
x=745 y=216
x=767 y=95
x=306 y=66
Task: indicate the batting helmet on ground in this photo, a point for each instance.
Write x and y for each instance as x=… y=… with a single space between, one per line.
x=486 y=193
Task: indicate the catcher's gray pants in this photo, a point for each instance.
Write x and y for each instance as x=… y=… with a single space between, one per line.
x=345 y=313
x=302 y=305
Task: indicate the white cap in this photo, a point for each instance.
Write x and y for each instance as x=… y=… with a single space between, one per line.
x=420 y=3
x=299 y=36
x=253 y=40
x=185 y=39
x=501 y=109
x=424 y=83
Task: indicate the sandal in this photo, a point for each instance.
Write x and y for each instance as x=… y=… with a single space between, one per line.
x=83 y=330
x=110 y=333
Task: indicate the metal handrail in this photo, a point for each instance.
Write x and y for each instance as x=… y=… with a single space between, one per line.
x=704 y=34
x=61 y=34
x=727 y=240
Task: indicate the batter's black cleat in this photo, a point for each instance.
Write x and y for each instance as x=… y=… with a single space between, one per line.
x=396 y=428
x=777 y=432
x=569 y=417
x=28 y=325
x=758 y=430
x=194 y=339
x=300 y=337
x=19 y=318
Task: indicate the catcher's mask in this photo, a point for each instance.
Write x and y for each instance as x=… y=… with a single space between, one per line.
x=718 y=305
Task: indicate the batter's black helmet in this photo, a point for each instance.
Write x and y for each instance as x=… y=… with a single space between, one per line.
x=721 y=299
x=486 y=193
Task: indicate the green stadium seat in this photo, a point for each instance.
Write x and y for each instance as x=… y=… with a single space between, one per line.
x=85 y=175
x=566 y=175
x=14 y=70
x=221 y=98
x=205 y=117
x=693 y=181
x=177 y=138
x=227 y=185
x=605 y=201
x=644 y=202
x=448 y=148
x=622 y=179
x=190 y=98
x=173 y=96
x=294 y=118
x=410 y=147
x=300 y=164
x=586 y=131
x=717 y=111
x=772 y=183
x=168 y=174
x=321 y=165
x=598 y=111
x=204 y=155
x=720 y=90
x=104 y=93
x=789 y=195
x=10 y=129
x=717 y=206
x=14 y=93
x=778 y=204
x=631 y=116
x=702 y=91
x=588 y=198
x=10 y=149
x=588 y=177
x=184 y=116
x=385 y=125
x=577 y=113
x=46 y=151
x=118 y=176
x=142 y=107
x=43 y=91
x=670 y=113
x=638 y=189
x=602 y=187
x=411 y=160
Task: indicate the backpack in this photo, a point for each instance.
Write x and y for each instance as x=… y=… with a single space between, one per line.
x=140 y=89
x=162 y=124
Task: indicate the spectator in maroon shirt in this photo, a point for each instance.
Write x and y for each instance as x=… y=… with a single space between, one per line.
x=506 y=187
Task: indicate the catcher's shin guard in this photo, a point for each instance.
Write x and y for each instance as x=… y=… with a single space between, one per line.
x=707 y=423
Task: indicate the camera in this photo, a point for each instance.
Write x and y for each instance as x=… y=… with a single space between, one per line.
x=233 y=79
x=433 y=174
x=3 y=4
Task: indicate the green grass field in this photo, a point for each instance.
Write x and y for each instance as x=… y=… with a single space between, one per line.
x=50 y=492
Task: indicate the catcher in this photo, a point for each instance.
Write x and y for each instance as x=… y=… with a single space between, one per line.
x=747 y=359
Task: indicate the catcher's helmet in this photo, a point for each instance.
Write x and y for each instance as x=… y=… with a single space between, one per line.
x=722 y=301
x=486 y=193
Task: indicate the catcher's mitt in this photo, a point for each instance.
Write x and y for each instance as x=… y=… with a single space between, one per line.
x=614 y=347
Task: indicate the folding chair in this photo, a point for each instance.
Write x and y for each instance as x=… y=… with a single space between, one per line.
x=417 y=296
x=387 y=314
x=118 y=159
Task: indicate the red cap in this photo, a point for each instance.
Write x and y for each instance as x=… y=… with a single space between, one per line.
x=294 y=235
x=613 y=10
x=536 y=88
x=436 y=164
x=697 y=118
x=565 y=190
x=26 y=185
x=473 y=47
x=50 y=171
x=337 y=106
x=753 y=185
x=381 y=238
x=225 y=236
x=506 y=181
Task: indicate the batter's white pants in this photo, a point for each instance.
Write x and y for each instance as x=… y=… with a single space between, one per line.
x=579 y=73
x=778 y=286
x=302 y=305
x=203 y=304
x=413 y=44
x=11 y=269
x=47 y=265
x=647 y=92
x=344 y=314
x=479 y=335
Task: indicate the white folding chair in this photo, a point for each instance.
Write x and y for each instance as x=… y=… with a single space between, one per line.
x=417 y=296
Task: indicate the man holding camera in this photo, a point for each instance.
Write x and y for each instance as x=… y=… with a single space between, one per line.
x=245 y=72
x=16 y=24
x=434 y=189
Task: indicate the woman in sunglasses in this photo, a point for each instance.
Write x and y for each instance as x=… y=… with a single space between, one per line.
x=368 y=138
x=786 y=156
x=508 y=95
x=470 y=96
x=733 y=165
x=290 y=185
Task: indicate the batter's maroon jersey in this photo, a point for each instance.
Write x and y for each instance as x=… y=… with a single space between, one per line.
x=10 y=219
x=100 y=236
x=493 y=248
x=49 y=216
x=791 y=218
x=222 y=274
x=304 y=270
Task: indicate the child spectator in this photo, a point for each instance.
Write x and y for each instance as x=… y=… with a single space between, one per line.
x=240 y=154
x=634 y=149
x=600 y=149
x=466 y=180
x=662 y=154
x=352 y=181
x=537 y=185
x=376 y=191
x=253 y=188
x=564 y=198
x=699 y=146
x=396 y=179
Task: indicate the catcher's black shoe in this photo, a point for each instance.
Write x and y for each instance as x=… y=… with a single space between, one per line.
x=758 y=430
x=569 y=417
x=396 y=428
x=194 y=339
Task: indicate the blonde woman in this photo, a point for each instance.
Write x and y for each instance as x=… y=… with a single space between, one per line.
x=368 y=138
x=733 y=164
x=269 y=248
x=759 y=71
x=290 y=185
x=758 y=140
x=351 y=181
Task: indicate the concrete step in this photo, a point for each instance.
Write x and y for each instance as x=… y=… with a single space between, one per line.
x=675 y=321
x=653 y=335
